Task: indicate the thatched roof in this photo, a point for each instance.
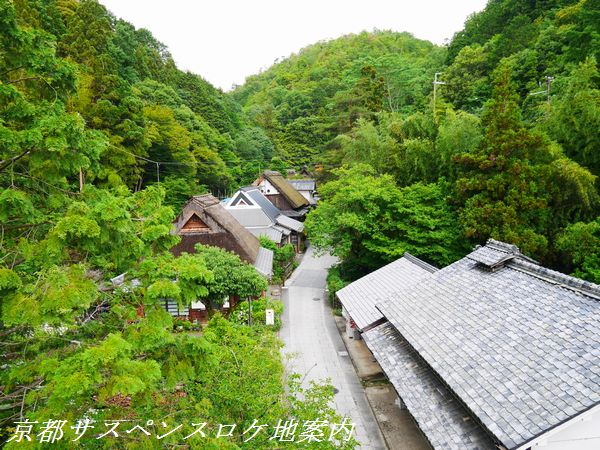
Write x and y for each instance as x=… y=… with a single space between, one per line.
x=221 y=229
x=295 y=198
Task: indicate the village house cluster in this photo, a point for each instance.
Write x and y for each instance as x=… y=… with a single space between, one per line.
x=491 y=352
x=271 y=207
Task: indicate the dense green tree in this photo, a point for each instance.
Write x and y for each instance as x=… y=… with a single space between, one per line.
x=231 y=276
x=580 y=242
x=511 y=182
x=574 y=116
x=366 y=221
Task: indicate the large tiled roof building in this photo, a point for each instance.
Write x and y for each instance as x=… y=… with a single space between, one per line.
x=493 y=351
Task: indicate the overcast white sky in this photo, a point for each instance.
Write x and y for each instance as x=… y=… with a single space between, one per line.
x=226 y=40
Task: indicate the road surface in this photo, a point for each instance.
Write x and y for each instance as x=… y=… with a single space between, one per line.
x=310 y=335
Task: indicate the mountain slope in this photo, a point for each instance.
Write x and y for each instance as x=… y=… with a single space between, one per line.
x=311 y=97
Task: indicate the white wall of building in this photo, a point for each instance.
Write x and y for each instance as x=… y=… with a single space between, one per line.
x=580 y=434
x=267 y=188
x=306 y=195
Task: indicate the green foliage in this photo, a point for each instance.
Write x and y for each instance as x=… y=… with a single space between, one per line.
x=231 y=276
x=257 y=310
x=283 y=257
x=57 y=296
x=367 y=221
x=580 y=242
x=86 y=99
x=308 y=99
x=110 y=231
x=512 y=180
x=335 y=282
x=574 y=117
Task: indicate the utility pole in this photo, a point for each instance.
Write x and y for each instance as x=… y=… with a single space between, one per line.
x=549 y=81
x=546 y=91
x=435 y=85
x=80 y=179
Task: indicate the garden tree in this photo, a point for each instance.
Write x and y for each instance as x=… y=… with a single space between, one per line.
x=60 y=293
x=508 y=183
x=183 y=279
x=580 y=242
x=367 y=221
x=232 y=374
x=231 y=276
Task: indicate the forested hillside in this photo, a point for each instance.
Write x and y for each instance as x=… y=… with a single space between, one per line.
x=507 y=148
x=93 y=68
x=307 y=100
x=102 y=139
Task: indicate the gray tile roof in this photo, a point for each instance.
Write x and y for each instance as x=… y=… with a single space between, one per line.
x=359 y=298
x=303 y=184
x=264 y=262
x=259 y=199
x=290 y=223
x=283 y=230
x=249 y=216
x=444 y=421
x=519 y=345
x=271 y=232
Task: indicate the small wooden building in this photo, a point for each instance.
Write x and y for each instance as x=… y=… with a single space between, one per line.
x=204 y=220
x=262 y=218
x=282 y=194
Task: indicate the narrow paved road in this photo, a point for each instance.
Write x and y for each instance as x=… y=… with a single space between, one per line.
x=311 y=337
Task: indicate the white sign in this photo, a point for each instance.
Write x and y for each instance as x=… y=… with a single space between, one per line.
x=270 y=317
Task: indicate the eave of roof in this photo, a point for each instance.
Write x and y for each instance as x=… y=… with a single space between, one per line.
x=290 y=223
x=264 y=262
x=360 y=297
x=443 y=419
x=520 y=345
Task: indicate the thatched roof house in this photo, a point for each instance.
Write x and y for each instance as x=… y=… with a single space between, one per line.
x=282 y=194
x=204 y=220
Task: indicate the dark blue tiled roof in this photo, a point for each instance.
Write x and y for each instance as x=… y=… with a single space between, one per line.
x=269 y=208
